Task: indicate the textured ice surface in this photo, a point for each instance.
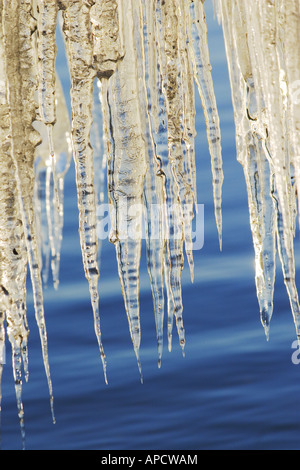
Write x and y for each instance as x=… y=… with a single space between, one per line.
x=135 y=67
x=263 y=68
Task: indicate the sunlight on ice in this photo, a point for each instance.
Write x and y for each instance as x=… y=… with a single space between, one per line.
x=135 y=67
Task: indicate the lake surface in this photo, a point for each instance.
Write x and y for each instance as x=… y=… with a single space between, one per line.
x=233 y=390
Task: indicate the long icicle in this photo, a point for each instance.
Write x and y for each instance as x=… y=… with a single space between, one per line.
x=153 y=192
x=251 y=136
x=203 y=77
x=18 y=25
x=145 y=56
x=173 y=29
x=46 y=51
x=13 y=255
x=188 y=130
x=291 y=52
x=172 y=162
x=275 y=114
x=51 y=100
x=126 y=175
x=49 y=201
x=13 y=270
x=107 y=53
x=76 y=17
x=252 y=40
x=266 y=48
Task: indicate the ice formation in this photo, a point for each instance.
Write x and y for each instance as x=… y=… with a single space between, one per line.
x=263 y=52
x=134 y=66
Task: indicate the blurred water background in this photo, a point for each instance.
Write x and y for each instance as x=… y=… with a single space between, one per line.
x=233 y=390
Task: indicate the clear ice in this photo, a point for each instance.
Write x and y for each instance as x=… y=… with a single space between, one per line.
x=135 y=66
x=262 y=48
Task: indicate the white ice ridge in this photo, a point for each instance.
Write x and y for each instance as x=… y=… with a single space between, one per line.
x=135 y=66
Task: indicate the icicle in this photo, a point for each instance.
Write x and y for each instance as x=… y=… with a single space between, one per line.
x=41 y=220
x=290 y=33
x=253 y=155
x=13 y=257
x=188 y=130
x=217 y=10
x=49 y=191
x=46 y=47
x=107 y=52
x=97 y=144
x=17 y=372
x=76 y=18
x=173 y=79
x=170 y=132
x=267 y=50
x=126 y=175
x=202 y=70
x=107 y=137
x=153 y=191
x=99 y=156
x=141 y=58
x=18 y=25
x=13 y=266
x=275 y=114
x=253 y=41
x=153 y=80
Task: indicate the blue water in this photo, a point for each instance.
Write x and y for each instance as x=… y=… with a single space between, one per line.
x=233 y=390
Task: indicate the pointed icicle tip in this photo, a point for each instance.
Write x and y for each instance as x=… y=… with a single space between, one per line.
x=160 y=352
x=220 y=242
x=192 y=274
x=52 y=410
x=170 y=343
x=104 y=364
x=183 y=350
x=139 y=364
x=105 y=378
x=267 y=332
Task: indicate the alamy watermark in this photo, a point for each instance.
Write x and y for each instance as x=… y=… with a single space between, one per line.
x=158 y=222
x=296 y=354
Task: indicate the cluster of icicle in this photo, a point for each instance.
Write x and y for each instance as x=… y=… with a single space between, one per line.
x=262 y=41
x=133 y=68
x=132 y=64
